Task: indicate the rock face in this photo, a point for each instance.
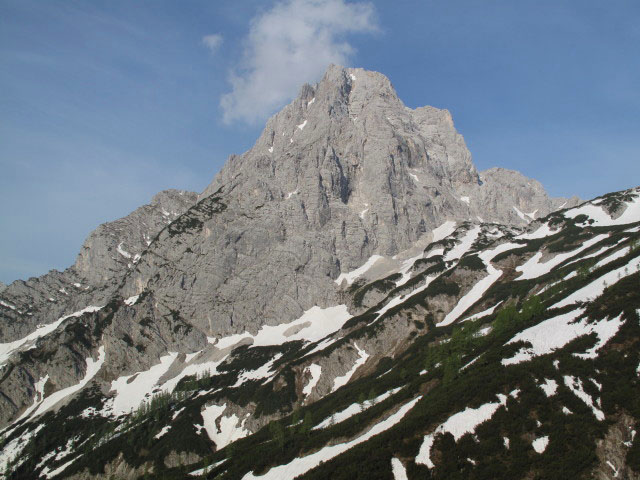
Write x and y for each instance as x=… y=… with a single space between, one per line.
x=106 y=257
x=114 y=247
x=344 y=172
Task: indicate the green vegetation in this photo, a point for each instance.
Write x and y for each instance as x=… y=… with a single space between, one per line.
x=383 y=285
x=471 y=262
x=194 y=218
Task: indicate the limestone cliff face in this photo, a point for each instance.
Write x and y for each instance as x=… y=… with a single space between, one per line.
x=107 y=255
x=343 y=172
x=114 y=247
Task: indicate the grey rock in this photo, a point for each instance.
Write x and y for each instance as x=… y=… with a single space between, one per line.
x=343 y=172
x=97 y=272
x=114 y=247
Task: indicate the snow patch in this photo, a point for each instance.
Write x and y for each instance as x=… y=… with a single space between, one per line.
x=465 y=200
x=93 y=366
x=162 y=432
x=398 y=470
x=132 y=300
x=202 y=471
x=613 y=467
x=259 y=373
x=49 y=474
x=533 y=268
x=556 y=332
x=443 y=231
x=29 y=342
x=315 y=370
x=230 y=429
x=458 y=425
x=595 y=288
x=522 y=215
x=465 y=244
x=405 y=269
x=549 y=387
x=315 y=324
x=194 y=369
x=302 y=125
x=480 y=288
x=483 y=313
x=352 y=275
x=575 y=385
x=123 y=252
x=341 y=381
x=8 y=305
x=540 y=444
x=542 y=232
x=133 y=390
x=401 y=298
x=601 y=218
x=614 y=256
x=354 y=409
x=12 y=450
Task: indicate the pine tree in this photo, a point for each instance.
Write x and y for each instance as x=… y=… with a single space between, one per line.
x=307 y=423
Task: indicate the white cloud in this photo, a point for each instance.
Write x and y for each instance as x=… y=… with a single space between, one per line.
x=290 y=44
x=212 y=42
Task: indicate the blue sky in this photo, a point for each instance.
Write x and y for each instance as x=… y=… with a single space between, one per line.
x=103 y=104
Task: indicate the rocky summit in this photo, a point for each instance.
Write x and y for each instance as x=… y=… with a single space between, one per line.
x=350 y=298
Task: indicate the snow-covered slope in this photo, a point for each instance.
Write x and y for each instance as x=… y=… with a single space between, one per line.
x=491 y=352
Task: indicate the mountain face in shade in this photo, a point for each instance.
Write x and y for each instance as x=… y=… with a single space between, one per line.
x=350 y=284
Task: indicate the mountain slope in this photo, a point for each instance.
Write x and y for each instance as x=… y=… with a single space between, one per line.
x=507 y=353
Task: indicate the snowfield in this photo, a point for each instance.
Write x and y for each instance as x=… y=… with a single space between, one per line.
x=601 y=218
x=132 y=390
x=314 y=324
x=229 y=430
x=595 y=288
x=556 y=332
x=533 y=268
x=458 y=425
x=29 y=342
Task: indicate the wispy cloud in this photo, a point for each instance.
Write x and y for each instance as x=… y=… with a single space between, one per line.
x=288 y=45
x=212 y=42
